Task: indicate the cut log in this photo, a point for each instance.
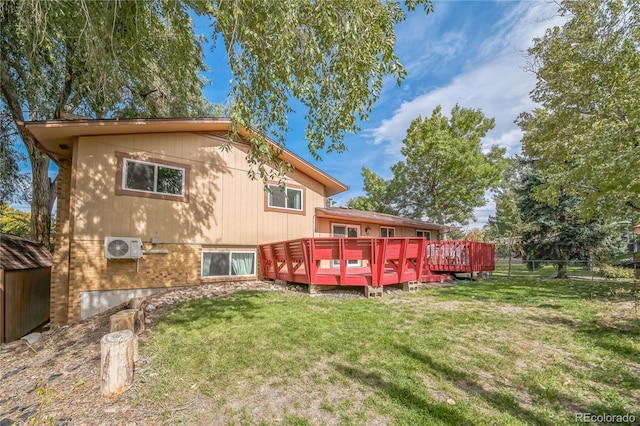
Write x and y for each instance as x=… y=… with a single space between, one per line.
x=123 y=320
x=137 y=302
x=128 y=319
x=116 y=362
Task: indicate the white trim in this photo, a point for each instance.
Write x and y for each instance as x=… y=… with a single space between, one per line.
x=286 y=189
x=388 y=228
x=125 y=168
x=230 y=252
x=356 y=263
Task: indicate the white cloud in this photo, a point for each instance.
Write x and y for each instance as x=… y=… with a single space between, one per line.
x=493 y=80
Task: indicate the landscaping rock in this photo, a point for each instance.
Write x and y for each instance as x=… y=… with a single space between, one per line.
x=32 y=338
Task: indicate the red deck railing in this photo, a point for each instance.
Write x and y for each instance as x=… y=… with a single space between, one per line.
x=371 y=261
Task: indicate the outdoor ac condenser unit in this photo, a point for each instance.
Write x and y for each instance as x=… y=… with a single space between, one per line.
x=122 y=248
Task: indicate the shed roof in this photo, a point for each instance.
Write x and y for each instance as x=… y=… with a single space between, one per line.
x=379 y=218
x=18 y=253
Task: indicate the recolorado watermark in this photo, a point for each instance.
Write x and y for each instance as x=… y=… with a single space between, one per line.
x=605 y=418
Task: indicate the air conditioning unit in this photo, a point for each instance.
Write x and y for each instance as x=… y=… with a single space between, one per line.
x=122 y=248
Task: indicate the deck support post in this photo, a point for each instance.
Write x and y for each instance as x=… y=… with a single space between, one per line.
x=410 y=286
x=370 y=291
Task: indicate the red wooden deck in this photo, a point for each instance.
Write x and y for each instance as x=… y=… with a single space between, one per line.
x=372 y=261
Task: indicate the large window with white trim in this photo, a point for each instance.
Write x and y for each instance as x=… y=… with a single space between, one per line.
x=152 y=177
x=285 y=198
x=228 y=263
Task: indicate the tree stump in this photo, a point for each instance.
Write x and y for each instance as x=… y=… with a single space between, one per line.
x=128 y=319
x=116 y=362
x=137 y=302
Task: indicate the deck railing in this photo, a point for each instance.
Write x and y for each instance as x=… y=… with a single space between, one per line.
x=371 y=261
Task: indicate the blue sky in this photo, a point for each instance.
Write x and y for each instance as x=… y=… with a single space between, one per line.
x=467 y=52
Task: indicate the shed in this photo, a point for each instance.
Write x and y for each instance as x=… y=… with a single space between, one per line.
x=25 y=286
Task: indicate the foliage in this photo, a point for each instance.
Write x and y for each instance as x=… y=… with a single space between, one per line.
x=475 y=234
x=444 y=174
x=97 y=59
x=142 y=59
x=378 y=195
x=13 y=183
x=507 y=225
x=14 y=222
x=555 y=232
x=585 y=136
x=610 y=271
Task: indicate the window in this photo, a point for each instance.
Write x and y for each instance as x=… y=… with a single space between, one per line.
x=140 y=176
x=151 y=177
x=424 y=234
x=228 y=263
x=290 y=198
x=345 y=231
x=387 y=232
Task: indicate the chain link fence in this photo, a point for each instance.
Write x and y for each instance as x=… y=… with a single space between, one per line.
x=575 y=269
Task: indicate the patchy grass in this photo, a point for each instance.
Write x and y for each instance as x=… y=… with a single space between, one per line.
x=519 y=351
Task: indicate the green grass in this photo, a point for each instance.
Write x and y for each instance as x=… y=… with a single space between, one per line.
x=519 y=351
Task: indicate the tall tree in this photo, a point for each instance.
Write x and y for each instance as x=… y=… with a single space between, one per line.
x=506 y=226
x=554 y=231
x=98 y=59
x=445 y=174
x=142 y=58
x=585 y=136
x=378 y=198
x=13 y=182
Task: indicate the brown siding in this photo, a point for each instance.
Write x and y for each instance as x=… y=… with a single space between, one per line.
x=26 y=301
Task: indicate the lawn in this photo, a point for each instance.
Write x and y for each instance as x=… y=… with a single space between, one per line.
x=519 y=351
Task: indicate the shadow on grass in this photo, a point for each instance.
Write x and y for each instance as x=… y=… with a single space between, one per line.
x=202 y=312
x=406 y=396
x=510 y=404
x=464 y=381
x=537 y=291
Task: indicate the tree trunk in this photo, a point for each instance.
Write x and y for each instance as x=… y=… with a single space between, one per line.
x=562 y=271
x=509 y=270
x=40 y=202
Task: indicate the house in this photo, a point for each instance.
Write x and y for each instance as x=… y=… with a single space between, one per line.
x=25 y=272
x=166 y=189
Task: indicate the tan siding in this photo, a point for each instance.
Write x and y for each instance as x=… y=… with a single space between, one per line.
x=225 y=206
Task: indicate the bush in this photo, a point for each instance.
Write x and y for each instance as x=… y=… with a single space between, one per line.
x=610 y=271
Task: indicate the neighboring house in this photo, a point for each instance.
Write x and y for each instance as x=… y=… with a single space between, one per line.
x=25 y=272
x=197 y=213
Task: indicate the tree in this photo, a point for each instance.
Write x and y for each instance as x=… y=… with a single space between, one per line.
x=378 y=194
x=14 y=222
x=555 y=232
x=506 y=227
x=142 y=58
x=445 y=174
x=13 y=183
x=585 y=136
x=98 y=59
